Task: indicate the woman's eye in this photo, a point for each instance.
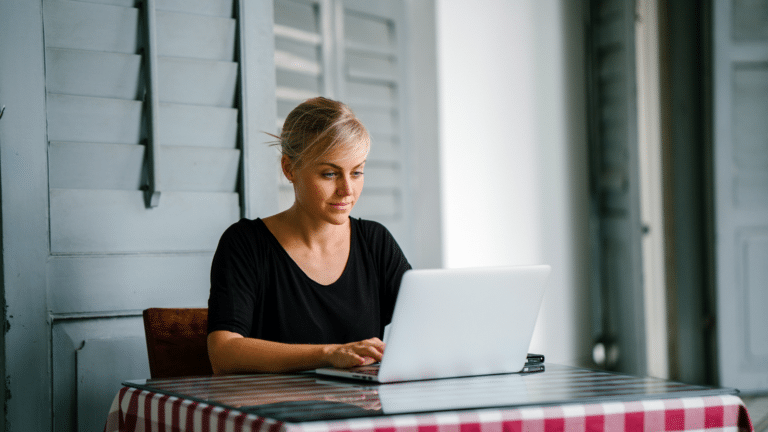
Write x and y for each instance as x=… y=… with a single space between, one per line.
x=357 y=173
x=329 y=175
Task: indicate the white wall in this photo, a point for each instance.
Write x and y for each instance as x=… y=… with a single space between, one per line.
x=423 y=132
x=512 y=128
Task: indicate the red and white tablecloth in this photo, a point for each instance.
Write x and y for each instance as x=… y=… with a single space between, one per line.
x=140 y=410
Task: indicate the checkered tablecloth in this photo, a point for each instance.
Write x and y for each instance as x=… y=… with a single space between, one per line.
x=141 y=410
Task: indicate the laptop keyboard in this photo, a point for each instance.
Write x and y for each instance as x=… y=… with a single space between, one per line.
x=372 y=370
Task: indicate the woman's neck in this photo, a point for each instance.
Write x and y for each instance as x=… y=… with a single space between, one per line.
x=310 y=232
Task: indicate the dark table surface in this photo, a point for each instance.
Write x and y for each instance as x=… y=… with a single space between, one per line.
x=310 y=397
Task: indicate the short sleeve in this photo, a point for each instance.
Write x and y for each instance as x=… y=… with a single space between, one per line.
x=234 y=282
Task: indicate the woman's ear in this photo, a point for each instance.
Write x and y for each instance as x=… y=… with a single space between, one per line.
x=287 y=166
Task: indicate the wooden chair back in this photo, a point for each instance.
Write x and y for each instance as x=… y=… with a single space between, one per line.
x=177 y=342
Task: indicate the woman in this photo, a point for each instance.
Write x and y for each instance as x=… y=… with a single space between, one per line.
x=310 y=286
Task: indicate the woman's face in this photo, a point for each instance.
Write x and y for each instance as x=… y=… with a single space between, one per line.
x=328 y=188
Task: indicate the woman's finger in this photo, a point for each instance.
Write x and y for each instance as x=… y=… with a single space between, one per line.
x=358 y=353
x=370 y=351
x=367 y=360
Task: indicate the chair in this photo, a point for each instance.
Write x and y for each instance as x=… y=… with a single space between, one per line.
x=177 y=342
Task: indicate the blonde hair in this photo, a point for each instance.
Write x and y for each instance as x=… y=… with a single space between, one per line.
x=319 y=126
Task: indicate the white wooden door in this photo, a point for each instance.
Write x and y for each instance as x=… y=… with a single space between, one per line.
x=741 y=190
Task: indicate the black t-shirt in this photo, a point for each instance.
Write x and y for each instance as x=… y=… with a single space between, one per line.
x=258 y=291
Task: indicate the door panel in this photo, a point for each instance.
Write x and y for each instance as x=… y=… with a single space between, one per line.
x=215 y=82
x=195 y=36
x=199 y=169
x=367 y=30
x=87 y=376
x=97 y=360
x=90 y=26
x=749 y=20
x=373 y=70
x=741 y=191
x=754 y=247
x=298 y=16
x=76 y=165
x=93 y=73
x=750 y=191
x=215 y=8
x=90 y=119
x=197 y=125
x=119 y=166
x=112 y=221
x=750 y=105
x=93 y=284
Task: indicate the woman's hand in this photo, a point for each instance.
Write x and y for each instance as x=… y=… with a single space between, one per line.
x=352 y=354
x=233 y=353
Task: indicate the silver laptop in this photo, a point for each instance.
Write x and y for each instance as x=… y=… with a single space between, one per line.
x=458 y=322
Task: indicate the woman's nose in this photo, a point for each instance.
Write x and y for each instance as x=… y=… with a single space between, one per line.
x=344 y=186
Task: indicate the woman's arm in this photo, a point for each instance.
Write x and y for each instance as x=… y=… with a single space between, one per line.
x=231 y=352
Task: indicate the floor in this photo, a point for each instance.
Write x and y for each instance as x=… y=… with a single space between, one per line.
x=757 y=406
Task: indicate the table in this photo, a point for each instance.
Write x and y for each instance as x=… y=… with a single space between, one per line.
x=559 y=399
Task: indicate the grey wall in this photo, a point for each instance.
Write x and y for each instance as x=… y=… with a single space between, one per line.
x=513 y=166
x=423 y=131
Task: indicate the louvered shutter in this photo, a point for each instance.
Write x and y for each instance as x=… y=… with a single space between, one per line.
x=353 y=51
x=97 y=124
x=615 y=208
x=372 y=81
x=303 y=64
x=111 y=255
